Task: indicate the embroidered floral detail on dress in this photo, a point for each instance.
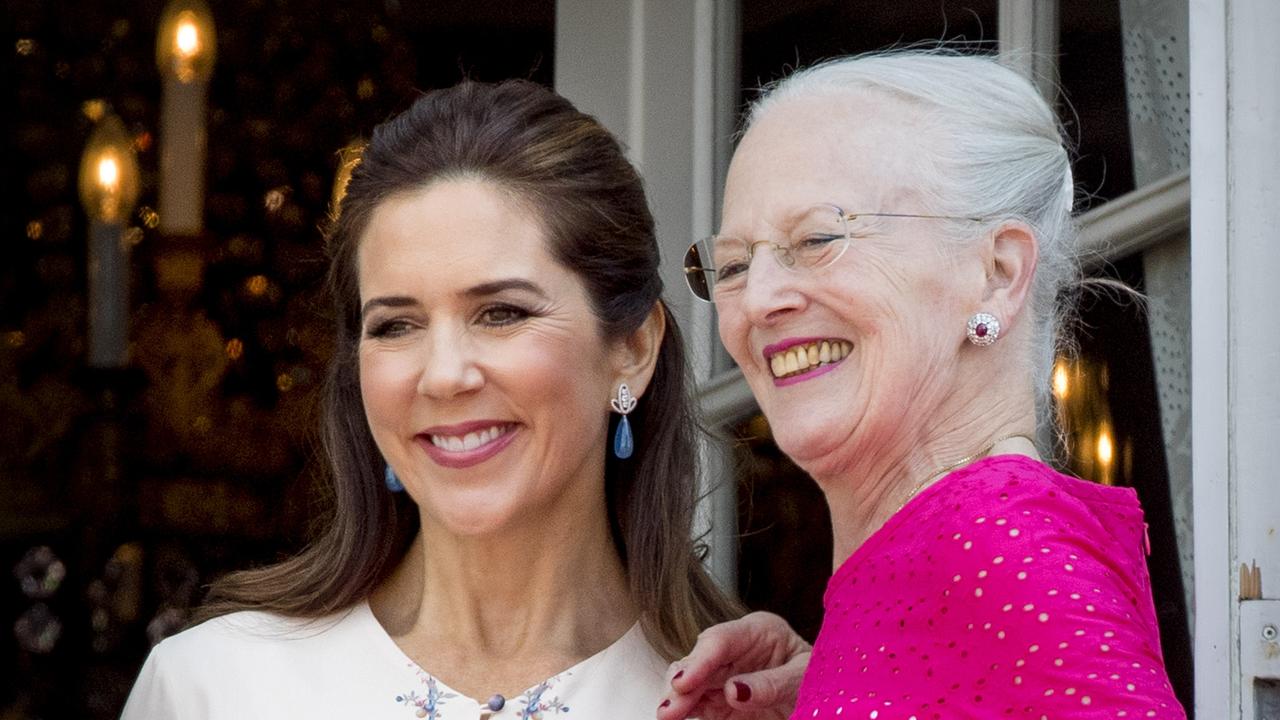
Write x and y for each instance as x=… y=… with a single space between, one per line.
x=427 y=706
x=536 y=707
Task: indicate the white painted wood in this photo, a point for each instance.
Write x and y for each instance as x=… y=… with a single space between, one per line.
x=1260 y=654
x=1217 y=688
x=1028 y=36
x=1137 y=220
x=1253 y=266
x=653 y=72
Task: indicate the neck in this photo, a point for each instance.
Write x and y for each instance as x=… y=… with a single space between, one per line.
x=894 y=467
x=495 y=613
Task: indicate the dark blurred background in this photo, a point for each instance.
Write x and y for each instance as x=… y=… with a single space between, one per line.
x=125 y=489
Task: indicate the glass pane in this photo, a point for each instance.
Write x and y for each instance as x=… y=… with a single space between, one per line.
x=1092 y=103
x=779 y=37
x=1108 y=411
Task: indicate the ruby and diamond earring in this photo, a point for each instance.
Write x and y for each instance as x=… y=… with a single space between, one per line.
x=984 y=329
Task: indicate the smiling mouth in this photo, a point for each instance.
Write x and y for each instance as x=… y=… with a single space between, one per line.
x=470 y=441
x=799 y=359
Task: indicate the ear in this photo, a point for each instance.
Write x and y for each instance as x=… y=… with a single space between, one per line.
x=636 y=355
x=1011 y=266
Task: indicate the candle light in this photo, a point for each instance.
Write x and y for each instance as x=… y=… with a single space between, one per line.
x=185 y=52
x=109 y=181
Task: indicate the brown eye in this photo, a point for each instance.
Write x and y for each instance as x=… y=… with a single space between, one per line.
x=502 y=315
x=387 y=329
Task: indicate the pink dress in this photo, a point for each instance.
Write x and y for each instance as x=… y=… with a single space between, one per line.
x=1004 y=590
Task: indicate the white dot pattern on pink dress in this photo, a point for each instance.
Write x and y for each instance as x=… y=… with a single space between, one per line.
x=1004 y=590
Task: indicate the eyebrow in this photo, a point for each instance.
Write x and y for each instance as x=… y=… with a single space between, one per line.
x=497 y=286
x=475 y=291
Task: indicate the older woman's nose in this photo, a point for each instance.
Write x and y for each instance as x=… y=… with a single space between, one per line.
x=771 y=291
x=449 y=369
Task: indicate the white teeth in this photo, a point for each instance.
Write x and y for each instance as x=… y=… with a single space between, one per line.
x=468 y=442
x=799 y=359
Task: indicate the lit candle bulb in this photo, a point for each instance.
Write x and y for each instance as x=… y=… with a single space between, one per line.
x=109 y=180
x=185 y=52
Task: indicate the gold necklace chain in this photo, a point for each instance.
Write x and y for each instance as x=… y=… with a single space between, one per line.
x=962 y=461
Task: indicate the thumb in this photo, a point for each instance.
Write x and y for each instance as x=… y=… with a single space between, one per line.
x=772 y=689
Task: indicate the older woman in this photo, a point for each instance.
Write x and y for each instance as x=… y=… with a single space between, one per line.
x=499 y=547
x=896 y=231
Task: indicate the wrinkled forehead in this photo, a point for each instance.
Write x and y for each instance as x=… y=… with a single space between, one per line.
x=865 y=151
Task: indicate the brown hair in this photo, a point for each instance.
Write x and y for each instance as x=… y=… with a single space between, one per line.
x=538 y=146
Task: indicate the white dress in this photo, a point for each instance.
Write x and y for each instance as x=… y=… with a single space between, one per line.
x=258 y=665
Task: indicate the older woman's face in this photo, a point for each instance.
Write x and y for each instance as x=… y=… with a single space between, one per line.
x=896 y=301
x=484 y=378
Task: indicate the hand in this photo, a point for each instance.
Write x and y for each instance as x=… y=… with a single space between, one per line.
x=746 y=669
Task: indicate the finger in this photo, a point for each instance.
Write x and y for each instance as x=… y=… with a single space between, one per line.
x=707 y=705
x=771 y=689
x=723 y=647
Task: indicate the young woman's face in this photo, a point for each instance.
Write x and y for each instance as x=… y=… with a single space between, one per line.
x=485 y=380
x=894 y=304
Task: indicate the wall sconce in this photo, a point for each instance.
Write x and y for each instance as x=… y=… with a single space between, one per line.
x=186 y=48
x=109 y=181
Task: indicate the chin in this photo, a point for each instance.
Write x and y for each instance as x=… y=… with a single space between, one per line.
x=810 y=448
x=468 y=519
x=471 y=527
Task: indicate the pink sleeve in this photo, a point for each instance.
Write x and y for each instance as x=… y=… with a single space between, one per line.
x=1056 y=612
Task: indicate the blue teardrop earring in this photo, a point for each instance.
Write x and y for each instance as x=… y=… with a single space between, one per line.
x=393 y=482
x=623 y=443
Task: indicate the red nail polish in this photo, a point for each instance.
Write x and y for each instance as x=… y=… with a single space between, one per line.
x=743 y=691
x=678 y=675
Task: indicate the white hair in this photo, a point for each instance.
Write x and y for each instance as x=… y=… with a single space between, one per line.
x=998 y=154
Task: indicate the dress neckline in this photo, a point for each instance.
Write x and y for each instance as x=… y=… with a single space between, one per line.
x=910 y=507
x=1094 y=492
x=362 y=615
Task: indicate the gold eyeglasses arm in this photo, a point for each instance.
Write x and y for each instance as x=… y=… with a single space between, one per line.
x=855 y=216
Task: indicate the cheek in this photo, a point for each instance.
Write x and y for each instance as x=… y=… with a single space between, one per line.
x=388 y=383
x=732 y=325
x=553 y=373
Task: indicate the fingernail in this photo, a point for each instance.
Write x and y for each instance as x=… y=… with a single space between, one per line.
x=678 y=675
x=664 y=704
x=742 y=690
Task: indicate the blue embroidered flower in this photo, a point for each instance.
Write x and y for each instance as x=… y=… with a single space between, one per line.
x=426 y=707
x=536 y=702
x=535 y=705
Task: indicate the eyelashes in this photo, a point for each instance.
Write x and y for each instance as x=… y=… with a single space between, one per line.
x=495 y=315
x=503 y=314
x=386 y=329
